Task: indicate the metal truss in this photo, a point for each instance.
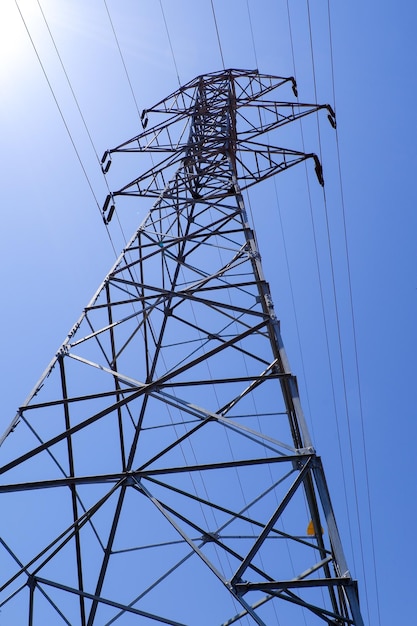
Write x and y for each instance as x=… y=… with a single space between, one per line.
x=162 y=471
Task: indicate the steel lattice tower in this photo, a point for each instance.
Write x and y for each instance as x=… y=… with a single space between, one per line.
x=162 y=471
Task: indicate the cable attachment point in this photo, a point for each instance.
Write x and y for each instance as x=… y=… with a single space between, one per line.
x=331 y=116
x=294 y=87
x=105 y=162
x=318 y=169
x=107 y=218
x=144 y=118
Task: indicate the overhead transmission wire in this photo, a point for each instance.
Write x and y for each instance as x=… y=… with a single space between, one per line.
x=220 y=256
x=170 y=42
x=122 y=58
x=339 y=336
x=217 y=32
x=191 y=446
x=337 y=317
x=60 y=109
x=250 y=208
x=352 y=312
x=86 y=128
x=79 y=160
x=81 y=113
x=290 y=557
x=287 y=266
x=83 y=120
x=285 y=245
x=190 y=443
x=71 y=138
x=251 y=34
x=337 y=322
x=176 y=67
x=326 y=332
x=137 y=108
x=333 y=278
x=237 y=474
x=297 y=326
x=76 y=101
x=132 y=271
x=317 y=264
x=279 y=215
x=286 y=256
x=179 y=82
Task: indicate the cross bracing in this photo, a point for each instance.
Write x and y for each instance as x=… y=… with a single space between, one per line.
x=162 y=470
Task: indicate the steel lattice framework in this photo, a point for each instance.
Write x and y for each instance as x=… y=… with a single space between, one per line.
x=162 y=471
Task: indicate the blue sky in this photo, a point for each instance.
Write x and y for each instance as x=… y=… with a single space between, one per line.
x=55 y=249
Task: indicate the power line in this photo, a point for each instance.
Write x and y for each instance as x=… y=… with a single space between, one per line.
x=68 y=80
x=81 y=114
x=217 y=31
x=352 y=313
x=291 y=39
x=342 y=361
x=324 y=317
x=60 y=110
x=253 y=221
x=122 y=58
x=132 y=93
x=137 y=108
x=336 y=305
x=170 y=42
x=57 y=105
x=251 y=32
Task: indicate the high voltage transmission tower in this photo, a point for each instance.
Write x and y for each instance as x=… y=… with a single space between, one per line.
x=162 y=471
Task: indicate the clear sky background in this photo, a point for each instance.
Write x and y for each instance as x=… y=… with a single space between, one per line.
x=342 y=265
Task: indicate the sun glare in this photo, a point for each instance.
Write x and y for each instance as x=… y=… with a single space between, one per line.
x=13 y=39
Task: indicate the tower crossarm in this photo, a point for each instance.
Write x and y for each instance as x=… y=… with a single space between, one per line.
x=257 y=161
x=270 y=115
x=256 y=117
